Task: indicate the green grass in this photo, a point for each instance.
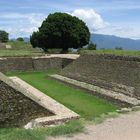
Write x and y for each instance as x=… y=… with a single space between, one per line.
x=41 y=133
x=113 y=51
x=20 y=45
x=20 y=49
x=17 y=53
x=86 y=105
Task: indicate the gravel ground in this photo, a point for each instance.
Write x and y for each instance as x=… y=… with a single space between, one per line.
x=125 y=127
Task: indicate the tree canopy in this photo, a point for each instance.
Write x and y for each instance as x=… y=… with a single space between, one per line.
x=4 y=36
x=61 y=30
x=20 y=39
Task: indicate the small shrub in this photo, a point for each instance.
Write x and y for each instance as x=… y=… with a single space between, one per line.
x=118 y=48
x=92 y=46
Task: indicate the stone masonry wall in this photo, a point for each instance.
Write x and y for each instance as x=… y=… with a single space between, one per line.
x=32 y=64
x=118 y=73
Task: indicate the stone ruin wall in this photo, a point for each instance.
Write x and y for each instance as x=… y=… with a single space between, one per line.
x=118 y=73
x=12 y=64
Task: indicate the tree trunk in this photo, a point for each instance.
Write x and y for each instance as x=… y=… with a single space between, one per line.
x=64 y=51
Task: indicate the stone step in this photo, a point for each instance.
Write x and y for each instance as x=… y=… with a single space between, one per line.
x=112 y=94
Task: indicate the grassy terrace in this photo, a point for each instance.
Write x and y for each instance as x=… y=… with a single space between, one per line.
x=34 y=52
x=20 y=49
x=89 y=107
x=77 y=100
x=19 y=53
x=113 y=51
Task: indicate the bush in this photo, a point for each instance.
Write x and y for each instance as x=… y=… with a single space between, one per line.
x=118 y=48
x=20 y=39
x=92 y=46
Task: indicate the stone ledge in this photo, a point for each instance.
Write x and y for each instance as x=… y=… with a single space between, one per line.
x=48 y=121
x=62 y=113
x=115 y=57
x=112 y=94
x=68 y=56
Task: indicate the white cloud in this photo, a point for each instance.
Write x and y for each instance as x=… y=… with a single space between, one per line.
x=91 y=18
x=21 y=24
x=128 y=30
x=24 y=24
x=96 y=24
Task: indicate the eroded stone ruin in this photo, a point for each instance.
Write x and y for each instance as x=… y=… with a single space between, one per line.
x=16 y=110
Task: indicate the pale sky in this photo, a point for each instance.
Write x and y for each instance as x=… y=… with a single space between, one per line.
x=113 y=17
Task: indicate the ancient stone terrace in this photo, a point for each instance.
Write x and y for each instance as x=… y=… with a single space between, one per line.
x=23 y=105
x=118 y=74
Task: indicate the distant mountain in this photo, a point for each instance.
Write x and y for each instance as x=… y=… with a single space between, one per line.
x=111 y=41
x=26 y=39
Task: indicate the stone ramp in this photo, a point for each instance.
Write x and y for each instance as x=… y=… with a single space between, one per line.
x=62 y=113
x=16 y=109
x=101 y=91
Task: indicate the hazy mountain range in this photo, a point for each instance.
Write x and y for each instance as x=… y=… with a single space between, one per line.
x=111 y=42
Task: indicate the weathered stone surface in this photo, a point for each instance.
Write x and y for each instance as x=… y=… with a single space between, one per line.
x=101 y=91
x=16 y=109
x=117 y=73
x=8 y=46
x=33 y=63
x=124 y=110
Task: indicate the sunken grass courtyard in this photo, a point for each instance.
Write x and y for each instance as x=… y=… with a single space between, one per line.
x=86 y=105
x=91 y=109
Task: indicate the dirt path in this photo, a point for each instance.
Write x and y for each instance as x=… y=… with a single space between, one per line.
x=125 y=127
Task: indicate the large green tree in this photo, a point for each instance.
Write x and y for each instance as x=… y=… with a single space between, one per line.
x=20 y=39
x=61 y=30
x=4 y=36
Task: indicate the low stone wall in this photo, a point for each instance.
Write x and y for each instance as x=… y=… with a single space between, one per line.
x=16 y=110
x=32 y=64
x=43 y=64
x=116 y=73
x=16 y=64
x=112 y=96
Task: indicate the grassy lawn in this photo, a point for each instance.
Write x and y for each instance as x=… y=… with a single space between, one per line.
x=20 y=45
x=19 y=48
x=113 y=51
x=17 y=53
x=77 y=100
x=40 y=133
